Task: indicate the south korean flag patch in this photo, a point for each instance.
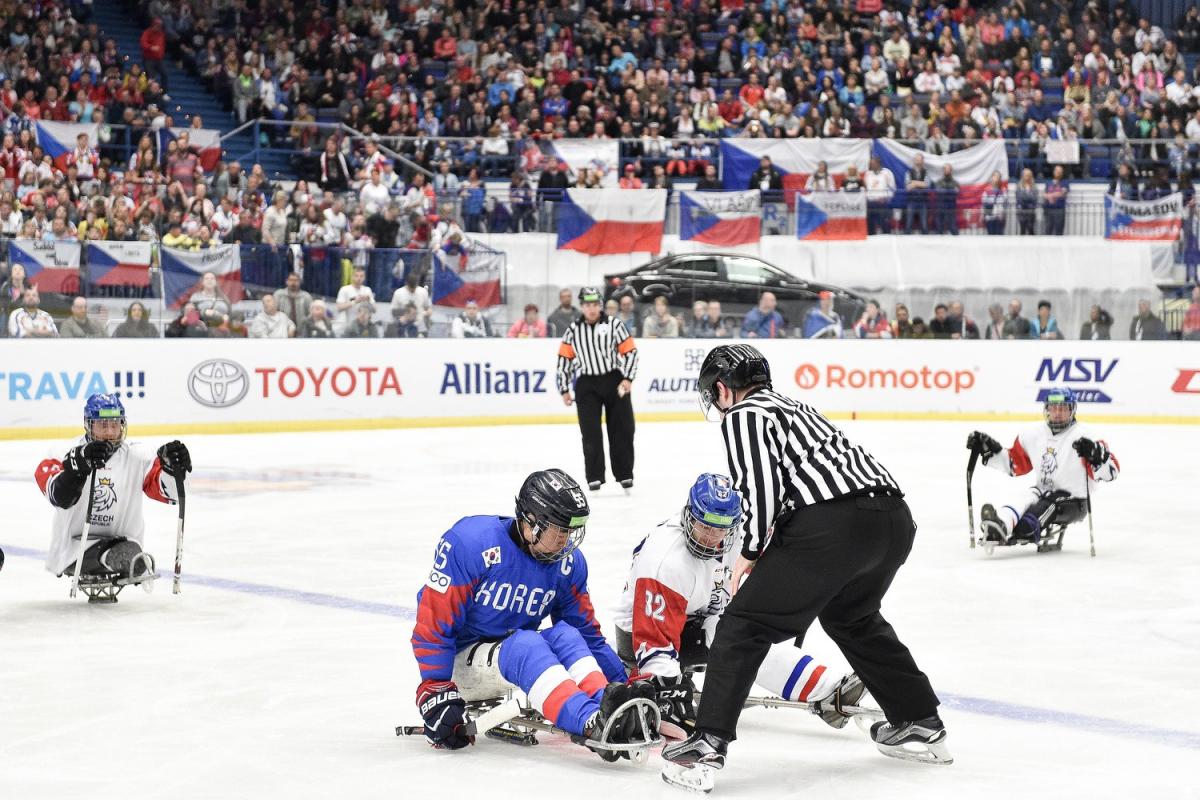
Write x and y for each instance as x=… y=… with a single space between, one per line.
x=491 y=556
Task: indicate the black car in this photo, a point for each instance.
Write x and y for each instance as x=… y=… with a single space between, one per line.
x=737 y=281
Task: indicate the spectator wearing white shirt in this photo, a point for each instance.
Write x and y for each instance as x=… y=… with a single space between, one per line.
x=224 y=218
x=876 y=80
x=928 y=81
x=417 y=198
x=984 y=116
x=471 y=324
x=29 y=321
x=1193 y=127
x=374 y=195
x=271 y=323
x=354 y=294
x=413 y=293
x=275 y=220
x=336 y=223
x=880 y=184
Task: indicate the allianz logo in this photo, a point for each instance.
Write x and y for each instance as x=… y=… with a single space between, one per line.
x=474 y=377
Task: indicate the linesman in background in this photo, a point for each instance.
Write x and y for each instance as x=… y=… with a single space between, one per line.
x=598 y=349
x=825 y=528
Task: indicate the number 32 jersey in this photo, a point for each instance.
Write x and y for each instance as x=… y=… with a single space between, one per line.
x=667 y=586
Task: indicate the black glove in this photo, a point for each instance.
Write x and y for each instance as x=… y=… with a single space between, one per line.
x=1095 y=453
x=676 y=705
x=445 y=714
x=983 y=444
x=175 y=458
x=86 y=457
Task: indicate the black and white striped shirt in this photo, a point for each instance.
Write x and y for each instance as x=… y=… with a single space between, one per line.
x=782 y=451
x=596 y=349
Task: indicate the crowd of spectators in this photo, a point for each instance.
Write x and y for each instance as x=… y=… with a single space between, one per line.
x=500 y=76
x=292 y=312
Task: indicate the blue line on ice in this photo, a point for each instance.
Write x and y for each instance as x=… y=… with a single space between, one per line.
x=973 y=705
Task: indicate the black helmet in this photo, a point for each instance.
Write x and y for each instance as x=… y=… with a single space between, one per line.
x=551 y=497
x=735 y=365
x=590 y=294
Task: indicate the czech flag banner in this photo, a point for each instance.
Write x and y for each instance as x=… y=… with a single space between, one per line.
x=795 y=159
x=609 y=221
x=831 y=216
x=51 y=266
x=603 y=157
x=720 y=218
x=205 y=141
x=119 y=263
x=183 y=272
x=972 y=167
x=479 y=278
x=1158 y=220
x=57 y=139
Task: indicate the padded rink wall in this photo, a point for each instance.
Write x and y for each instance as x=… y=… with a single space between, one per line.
x=223 y=386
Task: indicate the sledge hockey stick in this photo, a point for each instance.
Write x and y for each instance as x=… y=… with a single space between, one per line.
x=970 y=498
x=811 y=708
x=179 y=534
x=509 y=710
x=1087 y=488
x=87 y=529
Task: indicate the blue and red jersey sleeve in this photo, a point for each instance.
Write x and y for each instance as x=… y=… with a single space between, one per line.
x=442 y=608
x=574 y=607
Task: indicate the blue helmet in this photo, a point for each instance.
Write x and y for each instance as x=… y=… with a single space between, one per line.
x=714 y=503
x=103 y=407
x=1055 y=397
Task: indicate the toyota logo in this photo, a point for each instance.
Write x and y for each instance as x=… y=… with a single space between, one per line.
x=218 y=383
x=807 y=376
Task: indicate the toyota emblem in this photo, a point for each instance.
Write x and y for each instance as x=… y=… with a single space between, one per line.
x=218 y=383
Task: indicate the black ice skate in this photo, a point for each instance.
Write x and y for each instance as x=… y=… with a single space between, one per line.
x=627 y=484
x=594 y=486
x=626 y=725
x=847 y=693
x=123 y=564
x=923 y=741
x=994 y=529
x=691 y=764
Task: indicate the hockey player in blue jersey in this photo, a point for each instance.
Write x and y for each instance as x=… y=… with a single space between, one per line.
x=494 y=580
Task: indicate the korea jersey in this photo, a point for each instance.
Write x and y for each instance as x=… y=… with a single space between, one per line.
x=1051 y=457
x=131 y=471
x=483 y=587
x=667 y=586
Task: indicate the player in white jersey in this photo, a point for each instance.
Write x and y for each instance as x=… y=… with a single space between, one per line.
x=124 y=471
x=677 y=589
x=1064 y=461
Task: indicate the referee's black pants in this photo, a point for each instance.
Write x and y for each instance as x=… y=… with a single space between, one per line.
x=593 y=394
x=831 y=561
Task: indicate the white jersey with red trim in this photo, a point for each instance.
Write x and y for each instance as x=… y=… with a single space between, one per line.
x=131 y=471
x=1053 y=460
x=666 y=586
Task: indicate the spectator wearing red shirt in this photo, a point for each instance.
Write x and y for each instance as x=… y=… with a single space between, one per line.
x=154 y=50
x=751 y=93
x=1026 y=71
x=446 y=47
x=873 y=324
x=730 y=108
x=529 y=326
x=1191 y=320
x=54 y=108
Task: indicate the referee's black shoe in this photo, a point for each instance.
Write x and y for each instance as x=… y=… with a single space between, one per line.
x=923 y=741
x=701 y=748
x=594 y=486
x=627 y=484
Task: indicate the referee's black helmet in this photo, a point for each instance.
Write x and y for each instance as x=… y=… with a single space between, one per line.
x=735 y=365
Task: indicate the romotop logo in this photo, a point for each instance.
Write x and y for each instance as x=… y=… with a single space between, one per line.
x=838 y=376
x=218 y=383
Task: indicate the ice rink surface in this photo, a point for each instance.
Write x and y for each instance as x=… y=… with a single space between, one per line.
x=285 y=664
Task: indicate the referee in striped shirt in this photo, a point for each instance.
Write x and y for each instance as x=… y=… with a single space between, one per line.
x=602 y=352
x=825 y=530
